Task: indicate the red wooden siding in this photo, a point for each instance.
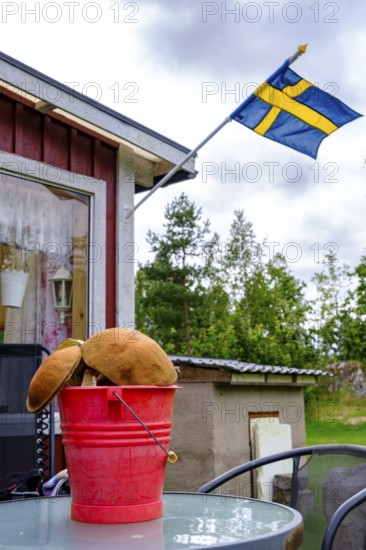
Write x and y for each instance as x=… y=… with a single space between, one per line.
x=32 y=134
x=51 y=139
x=7 y=117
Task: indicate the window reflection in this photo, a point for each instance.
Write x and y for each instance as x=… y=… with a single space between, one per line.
x=41 y=228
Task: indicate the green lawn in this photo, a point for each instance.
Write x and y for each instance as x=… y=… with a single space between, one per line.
x=332 y=417
x=321 y=433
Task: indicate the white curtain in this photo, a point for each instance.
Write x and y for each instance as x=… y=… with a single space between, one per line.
x=32 y=215
x=37 y=226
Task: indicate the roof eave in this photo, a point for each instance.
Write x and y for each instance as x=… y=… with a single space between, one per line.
x=30 y=81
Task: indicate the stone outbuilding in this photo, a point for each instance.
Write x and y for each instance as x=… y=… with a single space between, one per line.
x=217 y=408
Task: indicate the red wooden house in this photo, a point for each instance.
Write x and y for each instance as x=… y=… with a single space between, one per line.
x=69 y=170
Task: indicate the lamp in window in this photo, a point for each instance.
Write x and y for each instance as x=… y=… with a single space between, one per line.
x=62 y=291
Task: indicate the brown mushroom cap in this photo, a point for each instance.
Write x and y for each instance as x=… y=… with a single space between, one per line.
x=128 y=357
x=51 y=376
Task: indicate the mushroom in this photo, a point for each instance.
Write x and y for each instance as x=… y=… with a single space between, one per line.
x=61 y=367
x=128 y=357
x=115 y=356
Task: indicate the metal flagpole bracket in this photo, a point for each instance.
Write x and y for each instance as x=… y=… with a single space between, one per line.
x=128 y=211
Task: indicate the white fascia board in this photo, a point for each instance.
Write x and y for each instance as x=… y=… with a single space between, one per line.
x=91 y=112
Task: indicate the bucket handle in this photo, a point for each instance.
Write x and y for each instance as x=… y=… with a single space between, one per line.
x=172 y=457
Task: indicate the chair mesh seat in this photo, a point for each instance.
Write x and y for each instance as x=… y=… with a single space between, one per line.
x=323 y=478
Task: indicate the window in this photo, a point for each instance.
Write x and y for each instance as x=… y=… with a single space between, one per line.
x=45 y=227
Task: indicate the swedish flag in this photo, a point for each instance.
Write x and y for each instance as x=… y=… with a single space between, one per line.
x=289 y=109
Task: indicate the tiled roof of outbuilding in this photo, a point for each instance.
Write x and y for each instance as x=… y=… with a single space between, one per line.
x=240 y=366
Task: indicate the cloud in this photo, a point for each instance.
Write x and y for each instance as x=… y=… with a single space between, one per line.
x=224 y=38
x=193 y=63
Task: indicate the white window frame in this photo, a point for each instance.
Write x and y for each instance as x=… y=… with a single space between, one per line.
x=40 y=172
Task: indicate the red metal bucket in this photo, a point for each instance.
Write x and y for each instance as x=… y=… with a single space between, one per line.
x=116 y=468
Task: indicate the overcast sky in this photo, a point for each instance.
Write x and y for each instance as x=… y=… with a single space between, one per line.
x=181 y=66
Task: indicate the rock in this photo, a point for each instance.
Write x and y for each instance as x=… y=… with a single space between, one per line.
x=350 y=375
x=341 y=484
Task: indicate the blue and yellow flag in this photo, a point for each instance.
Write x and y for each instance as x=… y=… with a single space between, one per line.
x=289 y=109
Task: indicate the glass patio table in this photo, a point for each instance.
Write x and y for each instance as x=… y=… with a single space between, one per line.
x=190 y=521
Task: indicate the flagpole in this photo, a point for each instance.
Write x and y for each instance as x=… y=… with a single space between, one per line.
x=169 y=175
x=300 y=50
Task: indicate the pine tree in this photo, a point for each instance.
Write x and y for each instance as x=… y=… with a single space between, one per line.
x=171 y=288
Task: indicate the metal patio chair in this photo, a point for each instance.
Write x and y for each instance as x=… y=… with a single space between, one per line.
x=340 y=515
x=27 y=440
x=327 y=486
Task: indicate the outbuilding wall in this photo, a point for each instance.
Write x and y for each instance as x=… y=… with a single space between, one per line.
x=210 y=430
